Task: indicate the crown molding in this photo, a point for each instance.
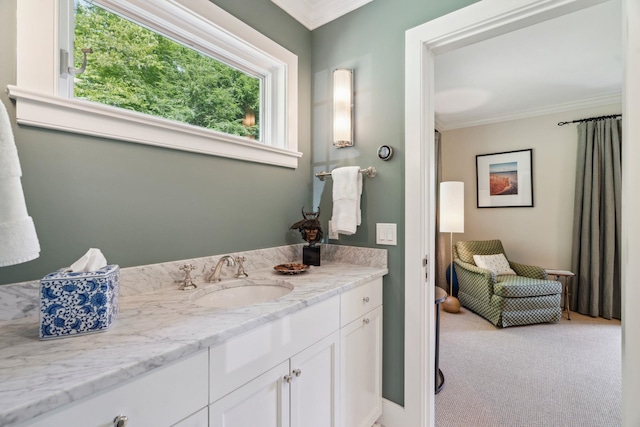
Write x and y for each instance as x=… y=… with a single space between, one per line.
x=599 y=101
x=315 y=13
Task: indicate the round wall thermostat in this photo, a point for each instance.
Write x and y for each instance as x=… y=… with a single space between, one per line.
x=385 y=152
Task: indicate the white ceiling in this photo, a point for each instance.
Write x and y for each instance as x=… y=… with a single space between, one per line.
x=564 y=64
x=315 y=13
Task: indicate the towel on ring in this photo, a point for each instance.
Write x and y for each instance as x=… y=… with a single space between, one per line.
x=18 y=239
x=347 y=188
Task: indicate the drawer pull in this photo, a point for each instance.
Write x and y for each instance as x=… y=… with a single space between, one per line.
x=120 y=421
x=365 y=300
x=288 y=378
x=366 y=320
x=297 y=372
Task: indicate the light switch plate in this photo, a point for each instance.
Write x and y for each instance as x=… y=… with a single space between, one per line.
x=387 y=234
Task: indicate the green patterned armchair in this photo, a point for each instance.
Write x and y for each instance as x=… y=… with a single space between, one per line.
x=519 y=295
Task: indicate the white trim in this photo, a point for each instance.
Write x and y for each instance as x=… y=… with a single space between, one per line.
x=419 y=340
x=392 y=414
x=200 y=24
x=630 y=205
x=600 y=101
x=476 y=22
x=91 y=118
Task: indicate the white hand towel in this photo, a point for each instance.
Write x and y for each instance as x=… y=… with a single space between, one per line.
x=18 y=239
x=347 y=188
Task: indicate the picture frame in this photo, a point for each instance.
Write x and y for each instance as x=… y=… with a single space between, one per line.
x=505 y=180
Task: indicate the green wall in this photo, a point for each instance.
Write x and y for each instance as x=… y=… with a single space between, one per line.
x=143 y=204
x=371 y=41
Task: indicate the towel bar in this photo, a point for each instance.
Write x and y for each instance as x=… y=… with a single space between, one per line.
x=370 y=172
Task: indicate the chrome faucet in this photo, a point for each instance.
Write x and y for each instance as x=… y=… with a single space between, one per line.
x=215 y=271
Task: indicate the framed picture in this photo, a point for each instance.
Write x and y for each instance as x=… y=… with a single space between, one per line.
x=504 y=180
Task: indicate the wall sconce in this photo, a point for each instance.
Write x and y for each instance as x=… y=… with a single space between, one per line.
x=343 y=108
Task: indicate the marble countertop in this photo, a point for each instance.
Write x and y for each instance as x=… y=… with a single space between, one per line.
x=157 y=324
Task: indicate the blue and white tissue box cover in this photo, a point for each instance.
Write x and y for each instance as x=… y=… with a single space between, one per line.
x=76 y=303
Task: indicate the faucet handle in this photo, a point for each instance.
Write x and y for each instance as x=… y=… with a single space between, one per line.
x=187 y=283
x=240 y=260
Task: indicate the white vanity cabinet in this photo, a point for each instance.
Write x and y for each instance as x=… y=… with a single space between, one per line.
x=361 y=355
x=174 y=395
x=330 y=382
x=319 y=366
x=282 y=374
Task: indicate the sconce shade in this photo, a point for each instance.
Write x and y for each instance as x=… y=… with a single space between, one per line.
x=452 y=207
x=343 y=107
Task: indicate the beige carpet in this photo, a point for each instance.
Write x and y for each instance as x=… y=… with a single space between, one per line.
x=562 y=374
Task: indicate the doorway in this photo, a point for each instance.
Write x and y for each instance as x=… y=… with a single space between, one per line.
x=477 y=22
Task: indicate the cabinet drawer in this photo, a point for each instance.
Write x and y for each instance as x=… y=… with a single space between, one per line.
x=358 y=301
x=161 y=398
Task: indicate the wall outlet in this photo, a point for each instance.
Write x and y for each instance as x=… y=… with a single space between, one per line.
x=387 y=234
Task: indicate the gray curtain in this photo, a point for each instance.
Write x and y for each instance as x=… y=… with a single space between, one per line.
x=596 y=227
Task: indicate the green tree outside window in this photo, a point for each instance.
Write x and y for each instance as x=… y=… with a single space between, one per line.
x=137 y=69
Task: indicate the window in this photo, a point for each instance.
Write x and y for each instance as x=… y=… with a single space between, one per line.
x=45 y=95
x=141 y=70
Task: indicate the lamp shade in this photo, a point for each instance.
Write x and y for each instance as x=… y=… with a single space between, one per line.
x=452 y=207
x=343 y=107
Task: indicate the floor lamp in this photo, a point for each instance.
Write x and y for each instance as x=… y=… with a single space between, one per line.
x=451 y=221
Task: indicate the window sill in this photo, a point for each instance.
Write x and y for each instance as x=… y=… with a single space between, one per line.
x=89 y=118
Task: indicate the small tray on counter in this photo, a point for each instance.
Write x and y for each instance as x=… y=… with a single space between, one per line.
x=291 y=268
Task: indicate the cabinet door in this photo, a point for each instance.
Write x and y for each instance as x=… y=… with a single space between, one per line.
x=263 y=401
x=361 y=370
x=314 y=384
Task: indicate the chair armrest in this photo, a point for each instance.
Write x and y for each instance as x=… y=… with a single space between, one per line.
x=469 y=273
x=472 y=268
x=531 y=271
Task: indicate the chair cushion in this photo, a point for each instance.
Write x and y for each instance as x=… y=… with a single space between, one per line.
x=497 y=264
x=466 y=250
x=519 y=287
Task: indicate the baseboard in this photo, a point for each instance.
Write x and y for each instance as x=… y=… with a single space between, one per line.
x=393 y=415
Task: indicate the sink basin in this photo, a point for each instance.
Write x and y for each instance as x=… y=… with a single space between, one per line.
x=241 y=293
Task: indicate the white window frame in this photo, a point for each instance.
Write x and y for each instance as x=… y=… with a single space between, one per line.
x=41 y=99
